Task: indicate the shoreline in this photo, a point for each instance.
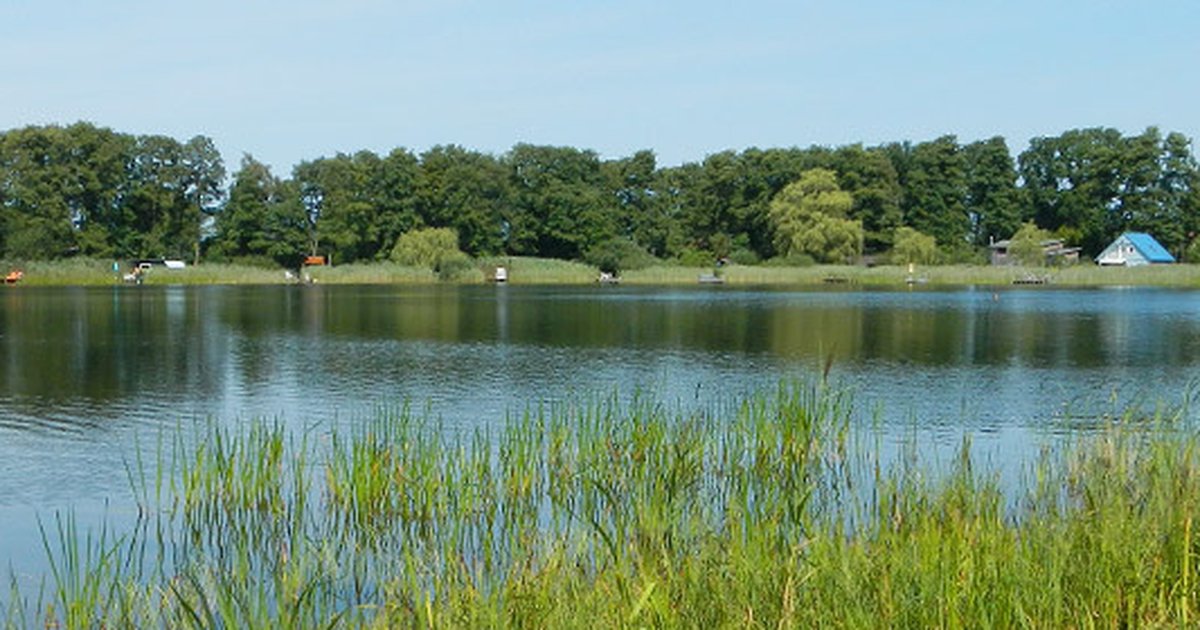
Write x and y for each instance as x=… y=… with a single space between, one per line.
x=545 y=272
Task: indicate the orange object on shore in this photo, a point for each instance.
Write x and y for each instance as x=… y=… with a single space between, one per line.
x=14 y=276
x=314 y=261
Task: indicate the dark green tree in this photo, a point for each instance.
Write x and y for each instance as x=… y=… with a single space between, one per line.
x=558 y=208
x=1178 y=215
x=1084 y=186
x=40 y=190
x=992 y=201
x=871 y=179
x=263 y=218
x=340 y=197
x=467 y=191
x=936 y=191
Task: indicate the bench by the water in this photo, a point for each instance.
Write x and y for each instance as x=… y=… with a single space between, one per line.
x=709 y=278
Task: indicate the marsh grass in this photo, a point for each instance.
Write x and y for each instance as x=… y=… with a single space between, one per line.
x=377 y=273
x=527 y=270
x=773 y=511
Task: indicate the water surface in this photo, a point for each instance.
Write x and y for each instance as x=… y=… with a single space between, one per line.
x=85 y=374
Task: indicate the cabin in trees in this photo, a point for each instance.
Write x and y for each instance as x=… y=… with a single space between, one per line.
x=1057 y=253
x=1134 y=248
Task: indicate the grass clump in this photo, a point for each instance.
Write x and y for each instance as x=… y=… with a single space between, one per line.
x=771 y=511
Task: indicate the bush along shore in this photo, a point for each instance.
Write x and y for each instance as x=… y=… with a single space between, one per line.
x=542 y=271
x=771 y=512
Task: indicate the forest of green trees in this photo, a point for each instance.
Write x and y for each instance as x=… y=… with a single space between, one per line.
x=83 y=190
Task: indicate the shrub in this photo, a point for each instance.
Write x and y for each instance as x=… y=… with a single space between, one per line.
x=618 y=254
x=690 y=257
x=456 y=266
x=744 y=256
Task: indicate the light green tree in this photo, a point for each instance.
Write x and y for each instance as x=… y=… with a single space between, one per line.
x=912 y=246
x=1026 y=245
x=435 y=248
x=809 y=217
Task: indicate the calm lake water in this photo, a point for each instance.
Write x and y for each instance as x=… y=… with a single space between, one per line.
x=85 y=374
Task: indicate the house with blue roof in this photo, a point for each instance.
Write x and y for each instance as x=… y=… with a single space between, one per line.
x=1134 y=248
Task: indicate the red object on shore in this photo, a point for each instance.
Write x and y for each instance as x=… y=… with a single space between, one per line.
x=14 y=277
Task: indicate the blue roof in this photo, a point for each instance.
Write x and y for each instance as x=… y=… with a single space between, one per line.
x=1149 y=248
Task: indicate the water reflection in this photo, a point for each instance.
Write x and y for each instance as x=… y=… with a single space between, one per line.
x=112 y=352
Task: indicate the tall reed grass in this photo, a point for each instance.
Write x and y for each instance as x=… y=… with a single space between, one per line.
x=773 y=511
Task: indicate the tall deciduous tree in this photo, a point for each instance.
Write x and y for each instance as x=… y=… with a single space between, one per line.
x=343 y=209
x=992 y=201
x=809 y=217
x=559 y=209
x=869 y=176
x=1179 y=193
x=467 y=191
x=936 y=192
x=263 y=218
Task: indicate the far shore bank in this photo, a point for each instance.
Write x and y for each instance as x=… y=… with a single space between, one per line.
x=533 y=271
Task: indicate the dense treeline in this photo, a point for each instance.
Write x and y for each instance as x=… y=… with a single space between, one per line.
x=91 y=191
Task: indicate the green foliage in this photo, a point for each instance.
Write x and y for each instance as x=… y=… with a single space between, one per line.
x=263 y=219
x=466 y=191
x=87 y=190
x=809 y=218
x=559 y=209
x=1096 y=184
x=1026 y=245
x=618 y=254
x=455 y=266
x=1192 y=253
x=434 y=248
x=992 y=198
x=691 y=257
x=936 y=197
x=871 y=179
x=912 y=246
x=744 y=256
x=84 y=190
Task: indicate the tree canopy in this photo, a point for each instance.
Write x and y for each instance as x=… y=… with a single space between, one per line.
x=90 y=191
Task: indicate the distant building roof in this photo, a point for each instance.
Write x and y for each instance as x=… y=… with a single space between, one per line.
x=1149 y=248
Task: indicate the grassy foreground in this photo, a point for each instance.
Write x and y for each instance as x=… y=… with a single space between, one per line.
x=537 y=271
x=771 y=513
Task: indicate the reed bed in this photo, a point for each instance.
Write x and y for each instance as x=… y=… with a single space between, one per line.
x=377 y=273
x=773 y=511
x=543 y=271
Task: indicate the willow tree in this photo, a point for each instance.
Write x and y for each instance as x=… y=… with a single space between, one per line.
x=809 y=217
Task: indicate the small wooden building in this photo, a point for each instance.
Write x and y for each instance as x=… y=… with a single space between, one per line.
x=1132 y=249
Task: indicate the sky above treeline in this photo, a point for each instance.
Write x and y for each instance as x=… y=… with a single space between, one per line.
x=295 y=80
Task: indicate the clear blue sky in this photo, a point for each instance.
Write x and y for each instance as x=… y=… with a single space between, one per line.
x=298 y=79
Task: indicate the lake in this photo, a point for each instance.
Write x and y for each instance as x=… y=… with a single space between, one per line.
x=88 y=373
